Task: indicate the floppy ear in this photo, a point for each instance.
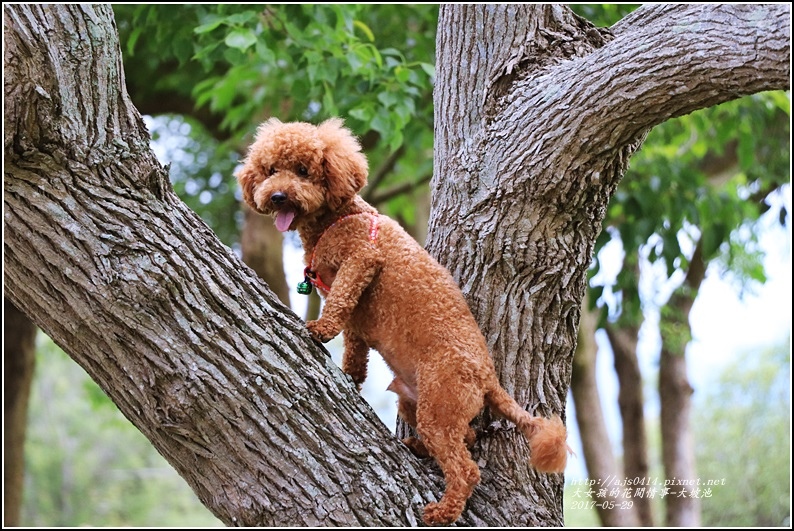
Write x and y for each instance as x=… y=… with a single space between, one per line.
x=345 y=166
x=246 y=177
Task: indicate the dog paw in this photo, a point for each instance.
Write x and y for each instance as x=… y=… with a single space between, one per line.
x=322 y=330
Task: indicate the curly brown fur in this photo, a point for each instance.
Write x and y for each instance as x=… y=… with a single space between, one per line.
x=391 y=296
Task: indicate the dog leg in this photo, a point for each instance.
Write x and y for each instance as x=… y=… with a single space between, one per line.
x=443 y=425
x=461 y=473
x=355 y=357
x=352 y=278
x=406 y=409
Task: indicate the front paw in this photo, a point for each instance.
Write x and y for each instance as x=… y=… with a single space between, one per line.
x=323 y=330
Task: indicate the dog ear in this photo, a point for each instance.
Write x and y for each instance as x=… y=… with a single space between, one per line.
x=246 y=178
x=247 y=175
x=345 y=166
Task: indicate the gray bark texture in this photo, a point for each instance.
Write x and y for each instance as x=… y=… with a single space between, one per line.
x=537 y=114
x=675 y=395
x=624 y=341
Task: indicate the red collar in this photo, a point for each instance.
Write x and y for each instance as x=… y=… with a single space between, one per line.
x=311 y=278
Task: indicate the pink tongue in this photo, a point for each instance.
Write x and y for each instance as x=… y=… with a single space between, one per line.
x=284 y=219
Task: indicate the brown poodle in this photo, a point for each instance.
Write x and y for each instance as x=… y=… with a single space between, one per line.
x=389 y=294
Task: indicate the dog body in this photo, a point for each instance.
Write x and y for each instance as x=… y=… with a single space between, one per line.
x=387 y=293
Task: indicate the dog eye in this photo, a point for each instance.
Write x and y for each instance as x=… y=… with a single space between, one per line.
x=302 y=171
x=271 y=170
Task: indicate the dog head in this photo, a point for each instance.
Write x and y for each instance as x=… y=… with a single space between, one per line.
x=297 y=171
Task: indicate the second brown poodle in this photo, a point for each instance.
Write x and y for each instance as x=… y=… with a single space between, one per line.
x=389 y=294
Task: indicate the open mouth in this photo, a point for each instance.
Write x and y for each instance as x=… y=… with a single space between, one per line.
x=284 y=219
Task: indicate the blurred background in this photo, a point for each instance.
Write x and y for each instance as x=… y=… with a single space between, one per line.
x=690 y=290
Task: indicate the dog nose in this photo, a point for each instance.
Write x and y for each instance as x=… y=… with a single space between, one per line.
x=278 y=198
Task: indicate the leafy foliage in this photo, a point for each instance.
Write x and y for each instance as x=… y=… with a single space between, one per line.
x=702 y=177
x=603 y=14
x=200 y=171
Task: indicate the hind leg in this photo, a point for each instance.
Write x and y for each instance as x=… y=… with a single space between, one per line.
x=406 y=409
x=443 y=424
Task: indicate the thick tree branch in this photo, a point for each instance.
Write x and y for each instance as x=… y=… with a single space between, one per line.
x=673 y=60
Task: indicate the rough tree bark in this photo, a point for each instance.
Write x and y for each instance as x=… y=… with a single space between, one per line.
x=624 y=341
x=19 y=355
x=537 y=116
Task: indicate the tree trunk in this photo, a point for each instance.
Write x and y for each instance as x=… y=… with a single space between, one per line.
x=19 y=355
x=675 y=394
x=632 y=412
x=223 y=379
x=597 y=448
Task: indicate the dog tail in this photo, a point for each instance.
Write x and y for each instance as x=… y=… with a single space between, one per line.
x=548 y=449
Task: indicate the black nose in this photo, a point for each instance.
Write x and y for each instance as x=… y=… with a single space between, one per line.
x=278 y=198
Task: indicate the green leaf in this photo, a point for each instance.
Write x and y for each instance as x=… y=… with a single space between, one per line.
x=264 y=53
x=133 y=38
x=429 y=69
x=363 y=113
x=711 y=239
x=388 y=99
x=402 y=74
x=240 y=19
x=392 y=52
x=209 y=26
x=396 y=140
x=671 y=250
x=354 y=60
x=329 y=105
x=365 y=29
x=183 y=50
x=382 y=124
x=241 y=39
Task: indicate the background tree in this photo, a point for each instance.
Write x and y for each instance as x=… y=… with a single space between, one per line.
x=728 y=194
x=697 y=157
x=96 y=472
x=504 y=260
x=19 y=335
